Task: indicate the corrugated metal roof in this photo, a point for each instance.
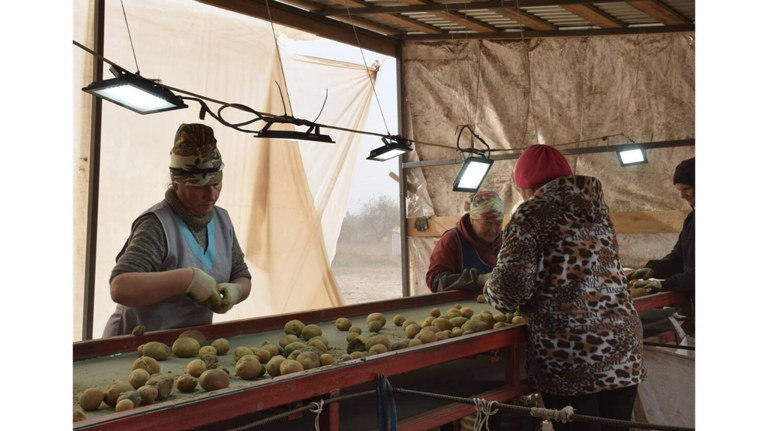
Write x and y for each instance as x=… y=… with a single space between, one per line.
x=625 y=13
x=686 y=8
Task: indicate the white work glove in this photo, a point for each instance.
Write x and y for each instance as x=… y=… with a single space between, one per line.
x=202 y=290
x=230 y=295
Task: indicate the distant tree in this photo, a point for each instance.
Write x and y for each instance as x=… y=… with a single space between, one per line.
x=376 y=219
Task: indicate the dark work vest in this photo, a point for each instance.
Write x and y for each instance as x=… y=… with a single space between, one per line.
x=469 y=256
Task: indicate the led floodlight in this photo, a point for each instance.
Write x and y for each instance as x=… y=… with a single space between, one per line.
x=138 y=94
x=472 y=174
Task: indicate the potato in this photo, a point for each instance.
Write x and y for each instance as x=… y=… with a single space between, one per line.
x=140 y=349
x=263 y=355
x=223 y=369
x=273 y=366
x=290 y=366
x=343 y=324
x=458 y=332
x=458 y=321
x=186 y=347
x=78 y=416
x=442 y=324
x=448 y=333
x=197 y=335
x=434 y=329
x=186 y=383
x=146 y=363
x=295 y=354
x=130 y=395
x=357 y=345
x=468 y=331
x=148 y=394
x=294 y=327
x=426 y=337
x=378 y=348
x=221 y=345
x=498 y=325
x=196 y=367
x=351 y=336
x=377 y=339
x=427 y=322
x=311 y=331
x=509 y=316
x=398 y=345
x=139 y=330
x=326 y=359
x=374 y=326
x=415 y=342
x=467 y=312
x=288 y=339
x=212 y=380
x=435 y=312
x=318 y=344
x=211 y=361
x=398 y=320
x=242 y=351
x=518 y=320
x=407 y=323
x=124 y=405
x=481 y=299
x=308 y=360
x=164 y=384
x=357 y=355
x=248 y=367
x=451 y=313
x=638 y=292
x=378 y=317
x=272 y=349
x=441 y=336
x=500 y=317
x=412 y=330
x=293 y=346
x=138 y=378
x=356 y=329
x=487 y=318
x=114 y=390
x=156 y=350
x=321 y=339
x=91 y=399
x=345 y=358
x=475 y=326
x=208 y=350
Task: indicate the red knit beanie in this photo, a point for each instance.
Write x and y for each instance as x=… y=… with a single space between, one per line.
x=538 y=165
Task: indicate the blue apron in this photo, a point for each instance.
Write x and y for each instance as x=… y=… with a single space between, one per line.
x=469 y=256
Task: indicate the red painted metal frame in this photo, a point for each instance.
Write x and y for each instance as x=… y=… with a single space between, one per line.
x=217 y=406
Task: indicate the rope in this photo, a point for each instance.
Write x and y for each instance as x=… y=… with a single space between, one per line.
x=130 y=38
x=317 y=409
x=565 y=415
x=484 y=412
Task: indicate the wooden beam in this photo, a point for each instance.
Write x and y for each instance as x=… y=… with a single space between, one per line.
x=478 y=5
x=515 y=35
x=393 y=18
x=312 y=23
x=623 y=222
x=526 y=19
x=456 y=18
x=594 y=15
x=357 y=22
x=660 y=12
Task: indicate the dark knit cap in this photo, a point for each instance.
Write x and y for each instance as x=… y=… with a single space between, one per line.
x=685 y=173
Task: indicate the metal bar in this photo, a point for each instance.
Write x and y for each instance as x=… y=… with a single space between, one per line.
x=458 y=6
x=405 y=263
x=571 y=151
x=515 y=34
x=673 y=346
x=94 y=162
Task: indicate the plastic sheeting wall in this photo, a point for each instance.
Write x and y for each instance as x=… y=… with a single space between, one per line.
x=551 y=91
x=286 y=201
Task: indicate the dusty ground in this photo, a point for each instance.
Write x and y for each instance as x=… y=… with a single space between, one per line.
x=369 y=283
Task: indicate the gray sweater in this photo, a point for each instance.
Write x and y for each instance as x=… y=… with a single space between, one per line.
x=148 y=248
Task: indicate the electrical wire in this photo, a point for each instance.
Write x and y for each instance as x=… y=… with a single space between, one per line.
x=279 y=58
x=130 y=38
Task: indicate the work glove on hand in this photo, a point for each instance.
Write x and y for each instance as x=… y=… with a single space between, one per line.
x=483 y=278
x=230 y=295
x=467 y=280
x=202 y=290
x=654 y=286
x=641 y=274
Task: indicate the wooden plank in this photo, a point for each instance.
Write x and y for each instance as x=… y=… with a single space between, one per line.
x=526 y=19
x=307 y=21
x=623 y=222
x=478 y=5
x=594 y=15
x=456 y=18
x=393 y=18
x=515 y=35
x=660 y=12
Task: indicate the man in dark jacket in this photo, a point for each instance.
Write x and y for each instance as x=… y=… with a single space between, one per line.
x=676 y=271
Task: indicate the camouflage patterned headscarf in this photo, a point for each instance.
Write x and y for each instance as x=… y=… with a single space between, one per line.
x=195 y=160
x=484 y=205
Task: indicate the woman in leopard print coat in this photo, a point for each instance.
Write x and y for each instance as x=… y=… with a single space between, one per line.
x=559 y=263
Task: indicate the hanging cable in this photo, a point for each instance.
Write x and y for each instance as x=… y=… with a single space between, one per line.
x=484 y=412
x=138 y=72
x=279 y=59
x=317 y=410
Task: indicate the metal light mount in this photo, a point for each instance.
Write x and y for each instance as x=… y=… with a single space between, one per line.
x=311 y=135
x=393 y=147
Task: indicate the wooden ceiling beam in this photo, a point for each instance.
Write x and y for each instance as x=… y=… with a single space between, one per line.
x=455 y=17
x=526 y=19
x=515 y=35
x=393 y=18
x=361 y=23
x=474 y=5
x=660 y=12
x=594 y=15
